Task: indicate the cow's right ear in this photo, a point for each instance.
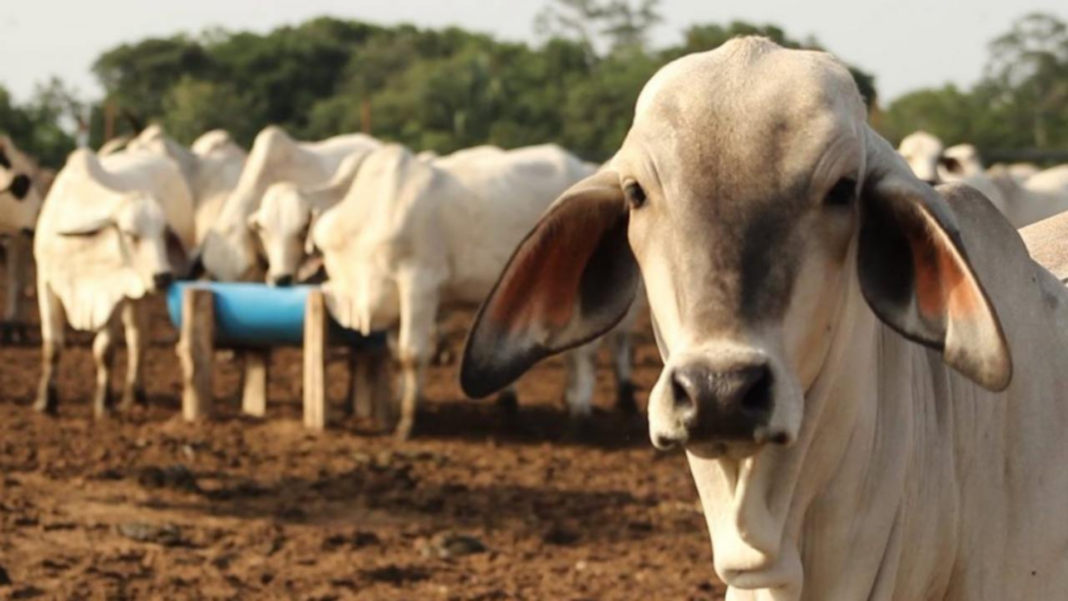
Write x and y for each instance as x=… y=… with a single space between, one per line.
x=87 y=227
x=572 y=279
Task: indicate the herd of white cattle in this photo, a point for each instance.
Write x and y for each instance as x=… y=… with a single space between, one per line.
x=400 y=236
x=864 y=362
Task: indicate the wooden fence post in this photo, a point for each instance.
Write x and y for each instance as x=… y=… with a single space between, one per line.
x=315 y=361
x=196 y=351
x=254 y=395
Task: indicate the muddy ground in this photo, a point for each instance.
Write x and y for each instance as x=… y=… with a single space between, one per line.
x=145 y=506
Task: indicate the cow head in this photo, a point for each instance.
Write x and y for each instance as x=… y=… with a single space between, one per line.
x=282 y=224
x=144 y=240
x=759 y=208
x=923 y=153
x=20 y=195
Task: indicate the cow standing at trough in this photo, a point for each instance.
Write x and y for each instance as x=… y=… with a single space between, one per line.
x=411 y=236
x=283 y=221
x=112 y=231
x=229 y=251
x=866 y=372
x=211 y=174
x=21 y=191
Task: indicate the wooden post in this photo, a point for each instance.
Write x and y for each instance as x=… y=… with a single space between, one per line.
x=315 y=361
x=365 y=116
x=254 y=395
x=365 y=369
x=196 y=350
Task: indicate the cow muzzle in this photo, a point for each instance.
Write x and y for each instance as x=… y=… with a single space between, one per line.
x=714 y=405
x=161 y=281
x=282 y=281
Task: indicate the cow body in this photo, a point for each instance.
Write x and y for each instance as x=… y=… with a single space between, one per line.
x=210 y=174
x=103 y=243
x=229 y=251
x=411 y=237
x=863 y=369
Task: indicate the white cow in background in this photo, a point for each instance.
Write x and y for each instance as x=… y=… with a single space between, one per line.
x=1053 y=180
x=284 y=219
x=867 y=373
x=1040 y=196
x=216 y=141
x=22 y=187
x=211 y=173
x=960 y=161
x=410 y=237
x=112 y=230
x=923 y=152
x=229 y=251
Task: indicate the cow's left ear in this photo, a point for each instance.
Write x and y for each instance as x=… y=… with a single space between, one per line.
x=572 y=279
x=914 y=270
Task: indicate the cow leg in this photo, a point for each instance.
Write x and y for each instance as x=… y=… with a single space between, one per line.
x=135 y=323
x=581 y=381
x=53 y=320
x=415 y=346
x=103 y=353
x=508 y=401
x=619 y=344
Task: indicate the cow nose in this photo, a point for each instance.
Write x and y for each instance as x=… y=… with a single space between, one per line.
x=283 y=280
x=729 y=405
x=162 y=280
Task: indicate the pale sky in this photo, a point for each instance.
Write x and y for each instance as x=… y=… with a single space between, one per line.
x=907 y=43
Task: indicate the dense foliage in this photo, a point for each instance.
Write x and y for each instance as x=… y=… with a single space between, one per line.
x=449 y=89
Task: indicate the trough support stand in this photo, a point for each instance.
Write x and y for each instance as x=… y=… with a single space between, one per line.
x=371 y=392
x=315 y=361
x=254 y=395
x=196 y=350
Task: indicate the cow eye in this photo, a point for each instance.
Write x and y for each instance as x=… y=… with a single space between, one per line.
x=4 y=161
x=634 y=194
x=842 y=194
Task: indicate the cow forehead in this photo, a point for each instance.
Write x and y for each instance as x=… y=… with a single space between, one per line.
x=747 y=114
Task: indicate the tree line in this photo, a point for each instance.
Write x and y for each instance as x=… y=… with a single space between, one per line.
x=446 y=89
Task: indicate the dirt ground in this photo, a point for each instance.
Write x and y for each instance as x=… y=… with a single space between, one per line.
x=145 y=506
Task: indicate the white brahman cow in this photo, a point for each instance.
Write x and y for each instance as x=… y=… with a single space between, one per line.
x=284 y=219
x=411 y=236
x=923 y=152
x=101 y=245
x=1022 y=202
x=866 y=372
x=211 y=173
x=21 y=189
x=229 y=251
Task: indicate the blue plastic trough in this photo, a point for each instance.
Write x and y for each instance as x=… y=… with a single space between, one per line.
x=250 y=315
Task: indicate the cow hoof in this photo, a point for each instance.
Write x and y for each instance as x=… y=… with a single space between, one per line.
x=625 y=402
x=132 y=398
x=101 y=405
x=47 y=403
x=403 y=431
x=508 y=403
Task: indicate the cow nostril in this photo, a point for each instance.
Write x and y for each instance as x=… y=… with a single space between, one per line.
x=756 y=397
x=283 y=281
x=931 y=182
x=684 y=390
